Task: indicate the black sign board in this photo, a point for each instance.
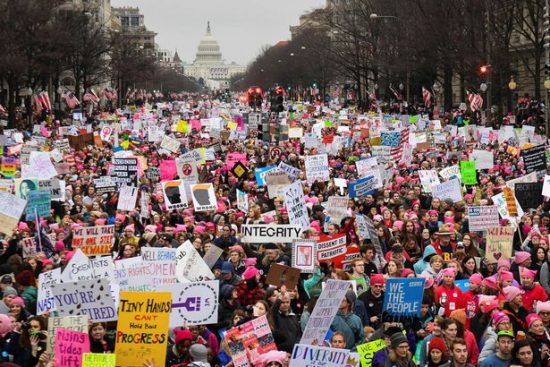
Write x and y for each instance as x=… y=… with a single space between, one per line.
x=534 y=159
x=529 y=194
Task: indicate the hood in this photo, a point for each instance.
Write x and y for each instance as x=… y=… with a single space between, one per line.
x=428 y=251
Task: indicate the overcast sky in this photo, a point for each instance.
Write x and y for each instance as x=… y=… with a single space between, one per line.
x=241 y=27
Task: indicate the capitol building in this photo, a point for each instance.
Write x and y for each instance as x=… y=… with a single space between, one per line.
x=209 y=68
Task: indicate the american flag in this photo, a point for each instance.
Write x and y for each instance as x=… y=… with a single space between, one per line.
x=476 y=101
x=397 y=95
x=130 y=95
x=37 y=103
x=373 y=101
x=427 y=97
x=90 y=96
x=70 y=100
x=397 y=152
x=109 y=94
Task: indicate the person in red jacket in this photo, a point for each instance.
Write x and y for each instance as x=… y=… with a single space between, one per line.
x=532 y=292
x=471 y=297
x=448 y=296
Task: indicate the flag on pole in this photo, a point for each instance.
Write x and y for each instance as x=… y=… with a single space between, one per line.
x=397 y=152
x=397 y=95
x=70 y=100
x=476 y=101
x=427 y=97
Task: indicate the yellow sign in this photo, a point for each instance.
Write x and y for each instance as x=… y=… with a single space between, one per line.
x=232 y=125
x=367 y=350
x=142 y=330
x=98 y=360
x=182 y=127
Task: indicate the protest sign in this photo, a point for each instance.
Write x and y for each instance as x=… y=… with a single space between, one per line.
x=80 y=142
x=39 y=203
x=239 y=170
x=260 y=173
x=45 y=301
x=124 y=170
x=337 y=208
x=529 y=195
x=28 y=245
x=367 y=350
x=280 y=275
x=127 y=198
x=510 y=201
x=89 y=297
x=468 y=172
x=242 y=201
x=383 y=153
x=142 y=328
x=276 y=181
x=62 y=145
x=212 y=255
x=69 y=347
x=40 y=166
x=403 y=297
x=448 y=190
x=546 y=186
x=234 y=157
x=291 y=172
x=390 y=138
x=96 y=240
x=55 y=187
x=317 y=168
x=304 y=255
x=263 y=233
x=531 y=177
x=316 y=356
x=98 y=360
x=296 y=205
x=361 y=187
x=428 y=178
x=500 y=201
x=450 y=172
x=9 y=166
x=480 y=218
x=534 y=158
x=24 y=186
x=483 y=159
x=499 y=244
x=170 y=144
x=204 y=197
x=174 y=194
x=76 y=323
x=324 y=312
x=148 y=276
x=105 y=184
x=330 y=247
x=78 y=268
x=194 y=303
x=190 y=267
x=248 y=341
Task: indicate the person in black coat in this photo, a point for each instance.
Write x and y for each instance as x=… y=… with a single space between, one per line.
x=287 y=330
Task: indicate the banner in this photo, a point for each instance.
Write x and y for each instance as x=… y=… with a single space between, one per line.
x=296 y=205
x=361 y=187
x=448 y=190
x=304 y=253
x=317 y=168
x=367 y=350
x=480 y=218
x=190 y=267
x=330 y=247
x=263 y=233
x=127 y=198
x=175 y=196
x=38 y=203
x=98 y=360
x=204 y=197
x=142 y=328
x=499 y=244
x=194 y=303
x=529 y=195
x=124 y=170
x=76 y=323
x=468 y=172
x=324 y=312
x=97 y=240
x=89 y=297
x=248 y=341
x=69 y=347
x=105 y=184
x=403 y=297
x=534 y=158
x=314 y=356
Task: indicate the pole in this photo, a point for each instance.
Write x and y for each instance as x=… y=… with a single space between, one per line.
x=38 y=229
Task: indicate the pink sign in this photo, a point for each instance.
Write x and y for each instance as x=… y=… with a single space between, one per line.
x=69 y=347
x=168 y=170
x=196 y=124
x=233 y=158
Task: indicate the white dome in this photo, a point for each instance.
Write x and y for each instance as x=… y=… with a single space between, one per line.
x=208 y=51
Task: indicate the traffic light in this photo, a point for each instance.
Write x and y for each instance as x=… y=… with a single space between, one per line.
x=277 y=103
x=255 y=97
x=483 y=70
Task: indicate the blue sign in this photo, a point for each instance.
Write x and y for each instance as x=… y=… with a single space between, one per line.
x=361 y=187
x=391 y=138
x=260 y=172
x=38 y=202
x=463 y=284
x=403 y=297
